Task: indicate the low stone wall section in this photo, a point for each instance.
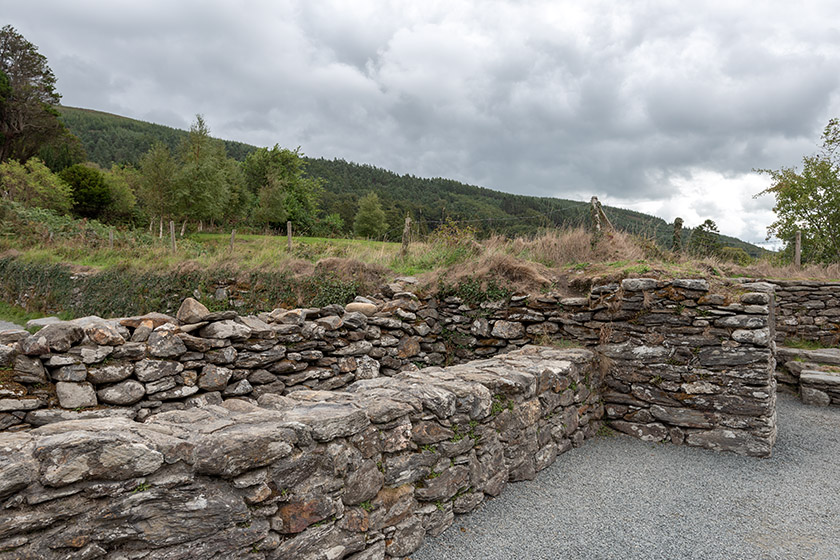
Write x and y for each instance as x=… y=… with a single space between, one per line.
x=807 y=310
x=690 y=366
x=364 y=473
x=812 y=374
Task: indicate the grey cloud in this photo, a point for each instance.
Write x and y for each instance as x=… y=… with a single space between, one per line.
x=543 y=98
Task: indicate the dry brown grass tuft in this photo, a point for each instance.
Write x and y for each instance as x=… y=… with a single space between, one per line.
x=764 y=268
x=298 y=267
x=500 y=269
x=570 y=246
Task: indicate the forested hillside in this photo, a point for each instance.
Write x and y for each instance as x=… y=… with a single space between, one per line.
x=111 y=139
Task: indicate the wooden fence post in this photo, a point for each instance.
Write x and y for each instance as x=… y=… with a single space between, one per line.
x=172 y=233
x=111 y=239
x=797 y=254
x=289 y=234
x=676 y=244
x=406 y=236
x=232 y=239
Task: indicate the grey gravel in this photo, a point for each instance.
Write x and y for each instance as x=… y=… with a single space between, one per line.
x=620 y=498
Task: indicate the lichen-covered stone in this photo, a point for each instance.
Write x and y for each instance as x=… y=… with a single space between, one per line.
x=75 y=395
x=110 y=373
x=227 y=329
x=28 y=370
x=508 y=330
x=214 y=378
x=152 y=370
x=164 y=343
x=124 y=393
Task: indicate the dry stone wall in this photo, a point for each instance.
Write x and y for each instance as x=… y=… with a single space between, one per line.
x=364 y=473
x=335 y=432
x=807 y=310
x=682 y=363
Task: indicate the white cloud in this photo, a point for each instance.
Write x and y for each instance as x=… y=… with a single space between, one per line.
x=701 y=194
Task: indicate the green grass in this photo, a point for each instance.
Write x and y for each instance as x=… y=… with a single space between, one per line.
x=15 y=314
x=250 y=251
x=19 y=315
x=803 y=344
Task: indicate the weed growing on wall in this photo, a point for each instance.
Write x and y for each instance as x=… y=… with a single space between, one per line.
x=475 y=292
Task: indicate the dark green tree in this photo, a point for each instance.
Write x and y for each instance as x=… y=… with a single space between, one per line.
x=91 y=195
x=370 y=219
x=705 y=240
x=28 y=118
x=64 y=150
x=276 y=178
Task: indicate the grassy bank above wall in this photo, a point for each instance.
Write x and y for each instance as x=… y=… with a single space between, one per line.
x=51 y=288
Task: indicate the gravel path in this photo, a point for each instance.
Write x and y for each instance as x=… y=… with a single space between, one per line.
x=620 y=498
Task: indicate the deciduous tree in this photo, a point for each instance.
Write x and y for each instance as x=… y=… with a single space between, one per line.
x=157 y=181
x=276 y=178
x=809 y=201
x=33 y=184
x=202 y=190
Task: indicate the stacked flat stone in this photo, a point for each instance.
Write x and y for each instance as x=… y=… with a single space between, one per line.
x=362 y=474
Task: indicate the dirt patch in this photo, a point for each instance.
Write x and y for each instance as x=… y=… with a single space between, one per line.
x=10 y=254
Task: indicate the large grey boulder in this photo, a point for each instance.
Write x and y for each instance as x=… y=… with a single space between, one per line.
x=61 y=336
x=508 y=330
x=73 y=456
x=16 y=463
x=29 y=370
x=214 y=378
x=111 y=373
x=164 y=343
x=152 y=370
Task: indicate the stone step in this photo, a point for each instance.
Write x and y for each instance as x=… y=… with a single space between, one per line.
x=822 y=378
x=830 y=356
x=820 y=388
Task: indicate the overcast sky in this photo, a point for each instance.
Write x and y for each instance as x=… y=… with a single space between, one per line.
x=663 y=107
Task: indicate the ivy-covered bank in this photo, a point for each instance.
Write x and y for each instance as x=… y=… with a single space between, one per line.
x=53 y=288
